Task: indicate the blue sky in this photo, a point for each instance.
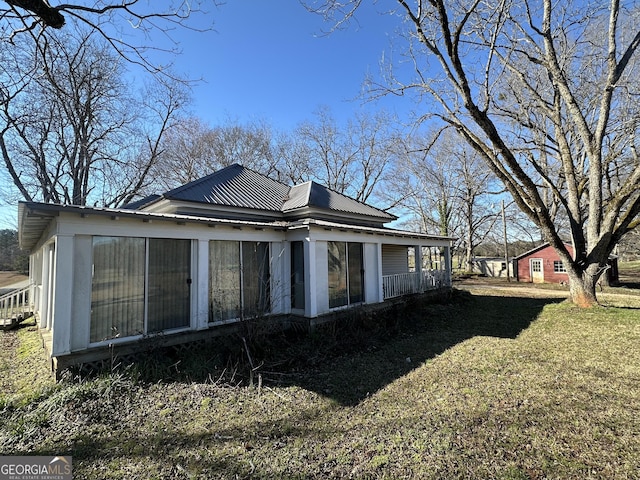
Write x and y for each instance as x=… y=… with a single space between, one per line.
x=270 y=60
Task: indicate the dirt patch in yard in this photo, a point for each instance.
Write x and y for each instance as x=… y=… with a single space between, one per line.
x=9 y=278
x=502 y=287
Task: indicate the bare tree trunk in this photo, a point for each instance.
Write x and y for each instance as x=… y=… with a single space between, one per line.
x=582 y=289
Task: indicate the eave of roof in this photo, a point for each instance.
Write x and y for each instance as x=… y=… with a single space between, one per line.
x=362 y=228
x=535 y=249
x=34 y=218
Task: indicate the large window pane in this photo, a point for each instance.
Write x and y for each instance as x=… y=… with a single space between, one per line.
x=255 y=278
x=346 y=273
x=356 y=273
x=224 y=280
x=117 y=287
x=337 y=274
x=297 y=275
x=169 y=284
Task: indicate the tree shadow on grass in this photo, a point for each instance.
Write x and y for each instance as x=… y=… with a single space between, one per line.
x=354 y=356
x=628 y=284
x=350 y=361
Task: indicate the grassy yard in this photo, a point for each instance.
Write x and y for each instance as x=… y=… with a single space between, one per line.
x=486 y=386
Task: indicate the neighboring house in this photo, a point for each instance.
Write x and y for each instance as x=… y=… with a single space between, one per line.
x=492 y=267
x=230 y=246
x=543 y=265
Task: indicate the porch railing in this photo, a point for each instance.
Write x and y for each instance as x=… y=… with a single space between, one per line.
x=14 y=307
x=400 y=284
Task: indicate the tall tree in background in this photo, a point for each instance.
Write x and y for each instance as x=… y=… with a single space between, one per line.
x=249 y=144
x=191 y=149
x=187 y=150
x=351 y=159
x=541 y=90
x=444 y=184
x=70 y=129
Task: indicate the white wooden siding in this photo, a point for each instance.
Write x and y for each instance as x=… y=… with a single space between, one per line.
x=395 y=259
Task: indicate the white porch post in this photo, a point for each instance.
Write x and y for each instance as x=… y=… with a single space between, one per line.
x=380 y=280
x=202 y=286
x=62 y=296
x=447 y=264
x=311 y=283
x=46 y=259
x=418 y=259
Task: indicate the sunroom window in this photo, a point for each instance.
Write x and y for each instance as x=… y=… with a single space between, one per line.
x=346 y=273
x=139 y=286
x=239 y=280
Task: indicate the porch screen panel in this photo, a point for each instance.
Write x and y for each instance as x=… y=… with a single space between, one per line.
x=297 y=275
x=356 y=272
x=224 y=280
x=169 y=279
x=255 y=278
x=117 y=287
x=337 y=254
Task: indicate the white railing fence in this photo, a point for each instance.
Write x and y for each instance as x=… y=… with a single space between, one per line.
x=15 y=306
x=407 y=283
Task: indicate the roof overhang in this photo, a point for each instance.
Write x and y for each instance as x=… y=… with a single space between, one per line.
x=34 y=219
x=383 y=231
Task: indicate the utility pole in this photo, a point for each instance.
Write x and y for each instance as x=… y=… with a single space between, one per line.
x=506 y=249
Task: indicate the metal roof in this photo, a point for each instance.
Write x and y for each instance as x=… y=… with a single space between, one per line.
x=143 y=202
x=233 y=186
x=239 y=187
x=314 y=195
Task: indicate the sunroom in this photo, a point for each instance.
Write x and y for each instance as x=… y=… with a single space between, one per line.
x=178 y=269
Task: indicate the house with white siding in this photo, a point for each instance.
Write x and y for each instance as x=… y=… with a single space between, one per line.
x=232 y=246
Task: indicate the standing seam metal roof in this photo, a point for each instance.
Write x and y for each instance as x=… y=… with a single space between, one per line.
x=312 y=194
x=233 y=186
x=237 y=186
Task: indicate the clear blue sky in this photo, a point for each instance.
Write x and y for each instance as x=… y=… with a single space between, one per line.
x=270 y=60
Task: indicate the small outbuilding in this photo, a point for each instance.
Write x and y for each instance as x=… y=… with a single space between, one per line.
x=492 y=267
x=543 y=265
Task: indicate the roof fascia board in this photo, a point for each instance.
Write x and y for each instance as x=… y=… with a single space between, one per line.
x=314 y=212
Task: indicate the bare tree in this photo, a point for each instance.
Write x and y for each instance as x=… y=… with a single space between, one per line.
x=542 y=91
x=351 y=159
x=74 y=133
x=187 y=151
x=447 y=187
x=475 y=195
x=192 y=149
x=250 y=144
x=127 y=27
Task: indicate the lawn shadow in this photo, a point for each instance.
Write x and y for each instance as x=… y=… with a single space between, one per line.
x=350 y=358
x=363 y=359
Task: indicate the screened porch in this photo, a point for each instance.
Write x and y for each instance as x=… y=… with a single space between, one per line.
x=415 y=269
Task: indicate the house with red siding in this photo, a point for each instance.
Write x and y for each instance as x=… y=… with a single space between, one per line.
x=543 y=265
